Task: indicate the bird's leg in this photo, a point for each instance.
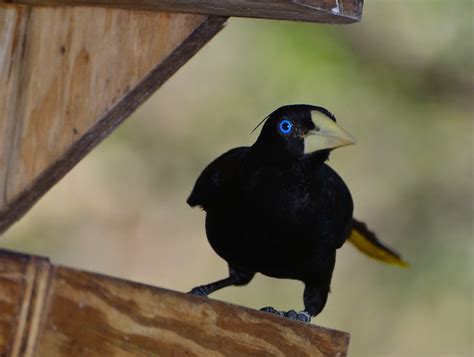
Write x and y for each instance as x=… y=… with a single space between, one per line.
x=204 y=290
x=236 y=277
x=315 y=297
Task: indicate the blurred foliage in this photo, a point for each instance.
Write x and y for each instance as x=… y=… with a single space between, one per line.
x=401 y=82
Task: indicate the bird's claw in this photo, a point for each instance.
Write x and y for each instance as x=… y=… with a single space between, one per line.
x=302 y=316
x=291 y=314
x=273 y=311
x=198 y=291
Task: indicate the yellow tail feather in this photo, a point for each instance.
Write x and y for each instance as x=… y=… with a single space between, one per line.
x=366 y=242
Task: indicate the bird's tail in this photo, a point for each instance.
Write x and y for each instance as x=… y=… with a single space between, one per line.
x=367 y=242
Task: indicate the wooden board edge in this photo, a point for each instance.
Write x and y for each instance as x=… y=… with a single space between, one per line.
x=340 y=12
x=329 y=335
x=336 y=336
x=111 y=120
x=36 y=280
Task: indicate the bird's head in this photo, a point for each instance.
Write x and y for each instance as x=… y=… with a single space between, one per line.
x=293 y=130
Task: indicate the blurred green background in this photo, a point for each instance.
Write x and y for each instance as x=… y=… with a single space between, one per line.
x=401 y=82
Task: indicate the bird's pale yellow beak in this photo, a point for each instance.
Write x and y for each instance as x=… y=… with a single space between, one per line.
x=326 y=134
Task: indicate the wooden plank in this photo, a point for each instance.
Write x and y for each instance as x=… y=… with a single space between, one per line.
x=12 y=33
x=70 y=76
x=325 y=11
x=24 y=281
x=14 y=280
x=86 y=314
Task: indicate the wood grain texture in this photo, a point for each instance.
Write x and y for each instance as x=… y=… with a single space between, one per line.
x=24 y=281
x=325 y=11
x=70 y=76
x=86 y=314
x=12 y=33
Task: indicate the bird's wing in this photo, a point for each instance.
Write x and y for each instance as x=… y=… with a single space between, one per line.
x=366 y=241
x=214 y=178
x=333 y=206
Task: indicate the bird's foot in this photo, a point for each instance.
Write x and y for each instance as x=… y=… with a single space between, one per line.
x=199 y=291
x=302 y=316
x=273 y=311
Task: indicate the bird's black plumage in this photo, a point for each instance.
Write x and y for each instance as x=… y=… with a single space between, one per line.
x=271 y=208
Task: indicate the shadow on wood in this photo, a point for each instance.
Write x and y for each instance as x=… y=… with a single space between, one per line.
x=49 y=310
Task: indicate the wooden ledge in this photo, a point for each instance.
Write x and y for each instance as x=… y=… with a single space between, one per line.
x=325 y=11
x=51 y=310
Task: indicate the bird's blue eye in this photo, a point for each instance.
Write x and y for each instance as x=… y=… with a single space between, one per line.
x=285 y=127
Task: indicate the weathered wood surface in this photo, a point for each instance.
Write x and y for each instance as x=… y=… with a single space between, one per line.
x=50 y=311
x=24 y=281
x=69 y=76
x=325 y=11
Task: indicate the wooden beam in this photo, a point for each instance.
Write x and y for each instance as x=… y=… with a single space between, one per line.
x=325 y=11
x=47 y=310
x=71 y=75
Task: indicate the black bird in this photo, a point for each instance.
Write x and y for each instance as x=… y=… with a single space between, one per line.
x=273 y=209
